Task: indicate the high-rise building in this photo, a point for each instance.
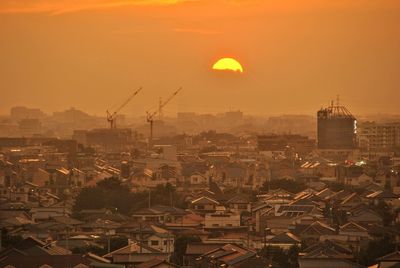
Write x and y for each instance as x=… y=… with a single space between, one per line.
x=337 y=128
x=374 y=136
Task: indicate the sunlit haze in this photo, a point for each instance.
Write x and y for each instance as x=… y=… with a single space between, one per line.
x=298 y=55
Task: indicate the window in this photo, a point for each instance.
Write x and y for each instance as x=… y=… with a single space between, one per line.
x=154 y=242
x=165 y=242
x=242 y=206
x=200 y=206
x=215 y=225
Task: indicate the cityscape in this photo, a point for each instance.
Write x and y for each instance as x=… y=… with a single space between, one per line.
x=214 y=160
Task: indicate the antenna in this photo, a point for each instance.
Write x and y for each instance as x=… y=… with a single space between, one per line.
x=337 y=100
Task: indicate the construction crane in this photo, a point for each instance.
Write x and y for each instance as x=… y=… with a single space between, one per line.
x=150 y=116
x=112 y=117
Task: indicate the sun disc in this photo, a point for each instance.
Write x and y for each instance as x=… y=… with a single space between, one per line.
x=228 y=64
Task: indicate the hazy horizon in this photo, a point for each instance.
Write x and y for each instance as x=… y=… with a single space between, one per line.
x=296 y=56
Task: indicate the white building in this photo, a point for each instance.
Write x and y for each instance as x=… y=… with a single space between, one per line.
x=222 y=219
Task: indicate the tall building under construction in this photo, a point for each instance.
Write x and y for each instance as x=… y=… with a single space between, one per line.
x=337 y=128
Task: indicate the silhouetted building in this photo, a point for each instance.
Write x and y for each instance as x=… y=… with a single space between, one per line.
x=21 y=112
x=108 y=139
x=29 y=127
x=301 y=144
x=337 y=128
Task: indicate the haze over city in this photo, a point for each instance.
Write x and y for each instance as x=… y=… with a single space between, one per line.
x=199 y=134
x=296 y=55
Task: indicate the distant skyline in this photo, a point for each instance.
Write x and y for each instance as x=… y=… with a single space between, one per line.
x=296 y=55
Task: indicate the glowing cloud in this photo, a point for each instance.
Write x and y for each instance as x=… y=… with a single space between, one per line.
x=66 y=6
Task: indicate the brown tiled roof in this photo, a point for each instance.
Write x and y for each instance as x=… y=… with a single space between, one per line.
x=200 y=248
x=56 y=261
x=155 y=263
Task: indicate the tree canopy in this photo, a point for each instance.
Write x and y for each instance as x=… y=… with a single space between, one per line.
x=112 y=193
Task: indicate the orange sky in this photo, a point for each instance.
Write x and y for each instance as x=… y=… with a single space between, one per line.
x=297 y=55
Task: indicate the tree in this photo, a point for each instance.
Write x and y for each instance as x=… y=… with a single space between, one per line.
x=276 y=254
x=293 y=256
x=92 y=249
x=8 y=240
x=384 y=210
x=375 y=249
x=112 y=193
x=292 y=186
x=90 y=198
x=180 y=246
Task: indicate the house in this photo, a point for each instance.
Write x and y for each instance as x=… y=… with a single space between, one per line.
x=59 y=181
x=258 y=210
x=328 y=249
x=327 y=262
x=359 y=180
x=195 y=249
x=149 y=234
x=156 y=263
x=239 y=203
x=46 y=261
x=221 y=219
x=277 y=196
x=229 y=255
x=204 y=204
x=13 y=219
x=386 y=196
x=284 y=240
x=389 y=260
x=319 y=167
x=150 y=215
x=351 y=201
x=234 y=174
x=282 y=218
x=163 y=241
x=325 y=193
x=32 y=246
x=135 y=253
x=159 y=213
x=198 y=179
x=365 y=217
x=312 y=232
x=100 y=226
x=354 y=230
x=45 y=213
x=295 y=210
x=78 y=177
x=15 y=194
x=41 y=177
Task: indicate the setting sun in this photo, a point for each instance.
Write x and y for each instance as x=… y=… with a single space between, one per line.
x=228 y=64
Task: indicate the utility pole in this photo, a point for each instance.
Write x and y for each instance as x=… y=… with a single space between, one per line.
x=149 y=198
x=108 y=241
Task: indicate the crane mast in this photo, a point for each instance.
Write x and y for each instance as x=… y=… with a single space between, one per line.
x=112 y=116
x=150 y=116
